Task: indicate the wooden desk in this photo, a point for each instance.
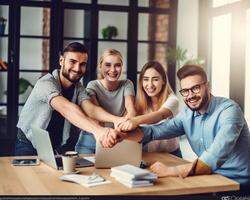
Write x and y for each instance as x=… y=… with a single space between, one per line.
x=44 y=180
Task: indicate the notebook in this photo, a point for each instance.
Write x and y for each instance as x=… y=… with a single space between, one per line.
x=125 y=152
x=45 y=151
x=132 y=176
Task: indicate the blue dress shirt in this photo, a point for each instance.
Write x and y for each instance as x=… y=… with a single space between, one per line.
x=220 y=137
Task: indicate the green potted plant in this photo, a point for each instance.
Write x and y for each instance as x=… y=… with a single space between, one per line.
x=3 y=22
x=176 y=55
x=23 y=86
x=109 y=32
x=179 y=56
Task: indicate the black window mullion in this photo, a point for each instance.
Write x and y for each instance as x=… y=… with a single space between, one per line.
x=56 y=32
x=132 y=51
x=91 y=32
x=172 y=41
x=13 y=71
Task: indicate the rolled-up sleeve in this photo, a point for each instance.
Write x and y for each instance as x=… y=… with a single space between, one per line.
x=46 y=90
x=231 y=122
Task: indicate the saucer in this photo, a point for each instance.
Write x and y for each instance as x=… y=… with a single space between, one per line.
x=75 y=172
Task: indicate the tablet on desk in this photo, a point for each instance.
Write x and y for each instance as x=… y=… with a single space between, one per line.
x=25 y=162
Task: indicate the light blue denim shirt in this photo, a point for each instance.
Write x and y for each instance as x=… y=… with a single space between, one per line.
x=220 y=137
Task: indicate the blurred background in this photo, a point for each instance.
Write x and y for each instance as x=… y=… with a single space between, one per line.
x=215 y=33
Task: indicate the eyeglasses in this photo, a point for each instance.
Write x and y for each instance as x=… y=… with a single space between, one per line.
x=195 y=89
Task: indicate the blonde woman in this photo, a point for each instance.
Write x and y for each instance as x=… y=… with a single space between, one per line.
x=155 y=103
x=108 y=91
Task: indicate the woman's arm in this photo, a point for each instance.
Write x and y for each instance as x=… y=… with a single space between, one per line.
x=130 y=106
x=149 y=118
x=169 y=109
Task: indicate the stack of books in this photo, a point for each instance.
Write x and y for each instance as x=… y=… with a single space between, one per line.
x=132 y=176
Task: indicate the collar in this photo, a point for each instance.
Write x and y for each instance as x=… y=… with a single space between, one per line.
x=210 y=107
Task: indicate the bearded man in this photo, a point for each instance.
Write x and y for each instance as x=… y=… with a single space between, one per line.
x=215 y=128
x=60 y=104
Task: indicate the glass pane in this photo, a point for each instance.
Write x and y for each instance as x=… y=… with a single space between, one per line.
x=3 y=87
x=142 y=55
x=221 y=42
x=154 y=4
x=73 y=23
x=39 y=49
x=3 y=49
x=114 y=2
x=77 y=1
x=38 y=24
x=247 y=80
x=147 y=52
x=4 y=12
x=122 y=47
x=217 y=3
x=116 y=19
x=153 y=27
x=3 y=123
x=32 y=79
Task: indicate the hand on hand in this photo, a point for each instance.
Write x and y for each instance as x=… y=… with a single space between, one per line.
x=128 y=125
x=119 y=121
x=111 y=137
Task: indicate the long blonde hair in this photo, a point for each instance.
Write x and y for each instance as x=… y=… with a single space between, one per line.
x=107 y=52
x=143 y=101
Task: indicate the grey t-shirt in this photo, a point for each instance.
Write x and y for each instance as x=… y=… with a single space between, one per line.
x=37 y=109
x=112 y=101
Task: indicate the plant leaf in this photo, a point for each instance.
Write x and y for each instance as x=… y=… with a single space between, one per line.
x=23 y=85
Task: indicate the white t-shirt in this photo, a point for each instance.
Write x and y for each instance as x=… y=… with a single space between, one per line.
x=169 y=145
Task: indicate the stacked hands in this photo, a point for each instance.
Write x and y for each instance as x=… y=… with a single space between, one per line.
x=111 y=137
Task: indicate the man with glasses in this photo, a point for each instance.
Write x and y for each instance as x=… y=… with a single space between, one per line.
x=215 y=127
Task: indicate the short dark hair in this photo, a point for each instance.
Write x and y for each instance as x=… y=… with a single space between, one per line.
x=75 y=47
x=191 y=70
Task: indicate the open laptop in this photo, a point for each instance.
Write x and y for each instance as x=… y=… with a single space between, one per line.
x=125 y=152
x=45 y=151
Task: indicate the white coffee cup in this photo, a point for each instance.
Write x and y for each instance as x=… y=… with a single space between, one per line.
x=69 y=159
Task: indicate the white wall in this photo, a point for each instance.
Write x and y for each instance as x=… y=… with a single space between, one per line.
x=187 y=28
x=187 y=38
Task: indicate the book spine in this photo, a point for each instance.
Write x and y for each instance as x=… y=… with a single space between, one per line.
x=132 y=182
x=123 y=173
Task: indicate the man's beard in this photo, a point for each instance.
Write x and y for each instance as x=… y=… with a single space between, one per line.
x=202 y=103
x=65 y=73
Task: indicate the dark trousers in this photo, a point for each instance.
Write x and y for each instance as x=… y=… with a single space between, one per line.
x=23 y=146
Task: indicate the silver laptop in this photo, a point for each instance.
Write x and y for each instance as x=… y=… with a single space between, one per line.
x=125 y=152
x=45 y=151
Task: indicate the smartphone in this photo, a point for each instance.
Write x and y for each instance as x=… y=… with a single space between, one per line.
x=25 y=162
